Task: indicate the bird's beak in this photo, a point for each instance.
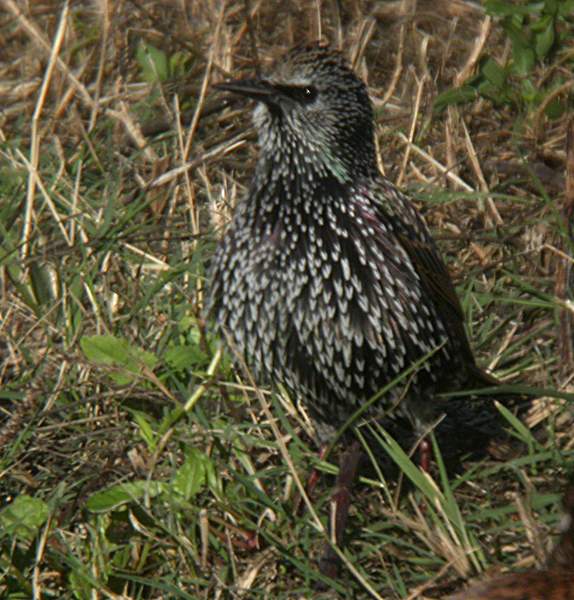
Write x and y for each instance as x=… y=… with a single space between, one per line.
x=257 y=89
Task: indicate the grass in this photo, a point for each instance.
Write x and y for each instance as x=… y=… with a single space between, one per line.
x=137 y=461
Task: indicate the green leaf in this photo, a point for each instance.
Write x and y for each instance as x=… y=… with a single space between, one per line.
x=105 y=349
x=452 y=511
x=153 y=63
x=41 y=278
x=566 y=8
x=529 y=91
x=524 y=59
x=23 y=518
x=487 y=90
x=551 y=7
x=191 y=477
x=179 y=64
x=494 y=73
x=26 y=293
x=504 y=8
x=545 y=39
x=109 y=350
x=459 y=95
x=145 y=429
x=555 y=109
x=123 y=493
x=184 y=357
x=523 y=55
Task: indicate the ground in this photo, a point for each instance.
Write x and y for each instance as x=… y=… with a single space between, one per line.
x=138 y=461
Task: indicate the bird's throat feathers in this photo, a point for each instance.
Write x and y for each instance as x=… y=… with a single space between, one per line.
x=287 y=149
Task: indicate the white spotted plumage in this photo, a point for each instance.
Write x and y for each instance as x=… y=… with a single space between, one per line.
x=317 y=279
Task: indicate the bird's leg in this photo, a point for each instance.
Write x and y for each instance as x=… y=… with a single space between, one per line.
x=348 y=463
x=312 y=481
x=314 y=475
x=425 y=454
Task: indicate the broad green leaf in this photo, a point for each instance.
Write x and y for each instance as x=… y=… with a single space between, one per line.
x=145 y=429
x=459 y=95
x=116 y=352
x=551 y=7
x=179 y=63
x=123 y=493
x=504 y=8
x=494 y=93
x=566 y=8
x=184 y=357
x=545 y=39
x=153 y=63
x=523 y=55
x=23 y=518
x=529 y=91
x=494 y=73
x=105 y=349
x=42 y=280
x=191 y=476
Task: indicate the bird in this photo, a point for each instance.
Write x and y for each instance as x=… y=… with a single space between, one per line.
x=327 y=280
x=554 y=582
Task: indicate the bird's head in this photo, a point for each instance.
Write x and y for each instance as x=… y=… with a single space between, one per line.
x=313 y=114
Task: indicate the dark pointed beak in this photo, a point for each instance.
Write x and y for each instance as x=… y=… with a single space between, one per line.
x=257 y=89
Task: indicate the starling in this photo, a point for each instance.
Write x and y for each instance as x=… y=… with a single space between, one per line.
x=327 y=280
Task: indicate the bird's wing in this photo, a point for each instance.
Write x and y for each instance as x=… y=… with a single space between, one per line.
x=434 y=274
x=437 y=282
x=413 y=236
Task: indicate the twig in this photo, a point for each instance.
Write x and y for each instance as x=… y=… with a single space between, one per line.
x=35 y=135
x=435 y=163
x=412 y=129
x=472 y=155
x=465 y=72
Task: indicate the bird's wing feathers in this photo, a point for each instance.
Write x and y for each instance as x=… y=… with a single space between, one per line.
x=413 y=236
x=433 y=273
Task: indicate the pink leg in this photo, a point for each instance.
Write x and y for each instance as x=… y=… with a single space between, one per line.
x=425 y=454
x=349 y=461
x=312 y=482
x=314 y=476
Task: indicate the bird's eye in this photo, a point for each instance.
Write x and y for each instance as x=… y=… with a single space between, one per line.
x=308 y=94
x=304 y=94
